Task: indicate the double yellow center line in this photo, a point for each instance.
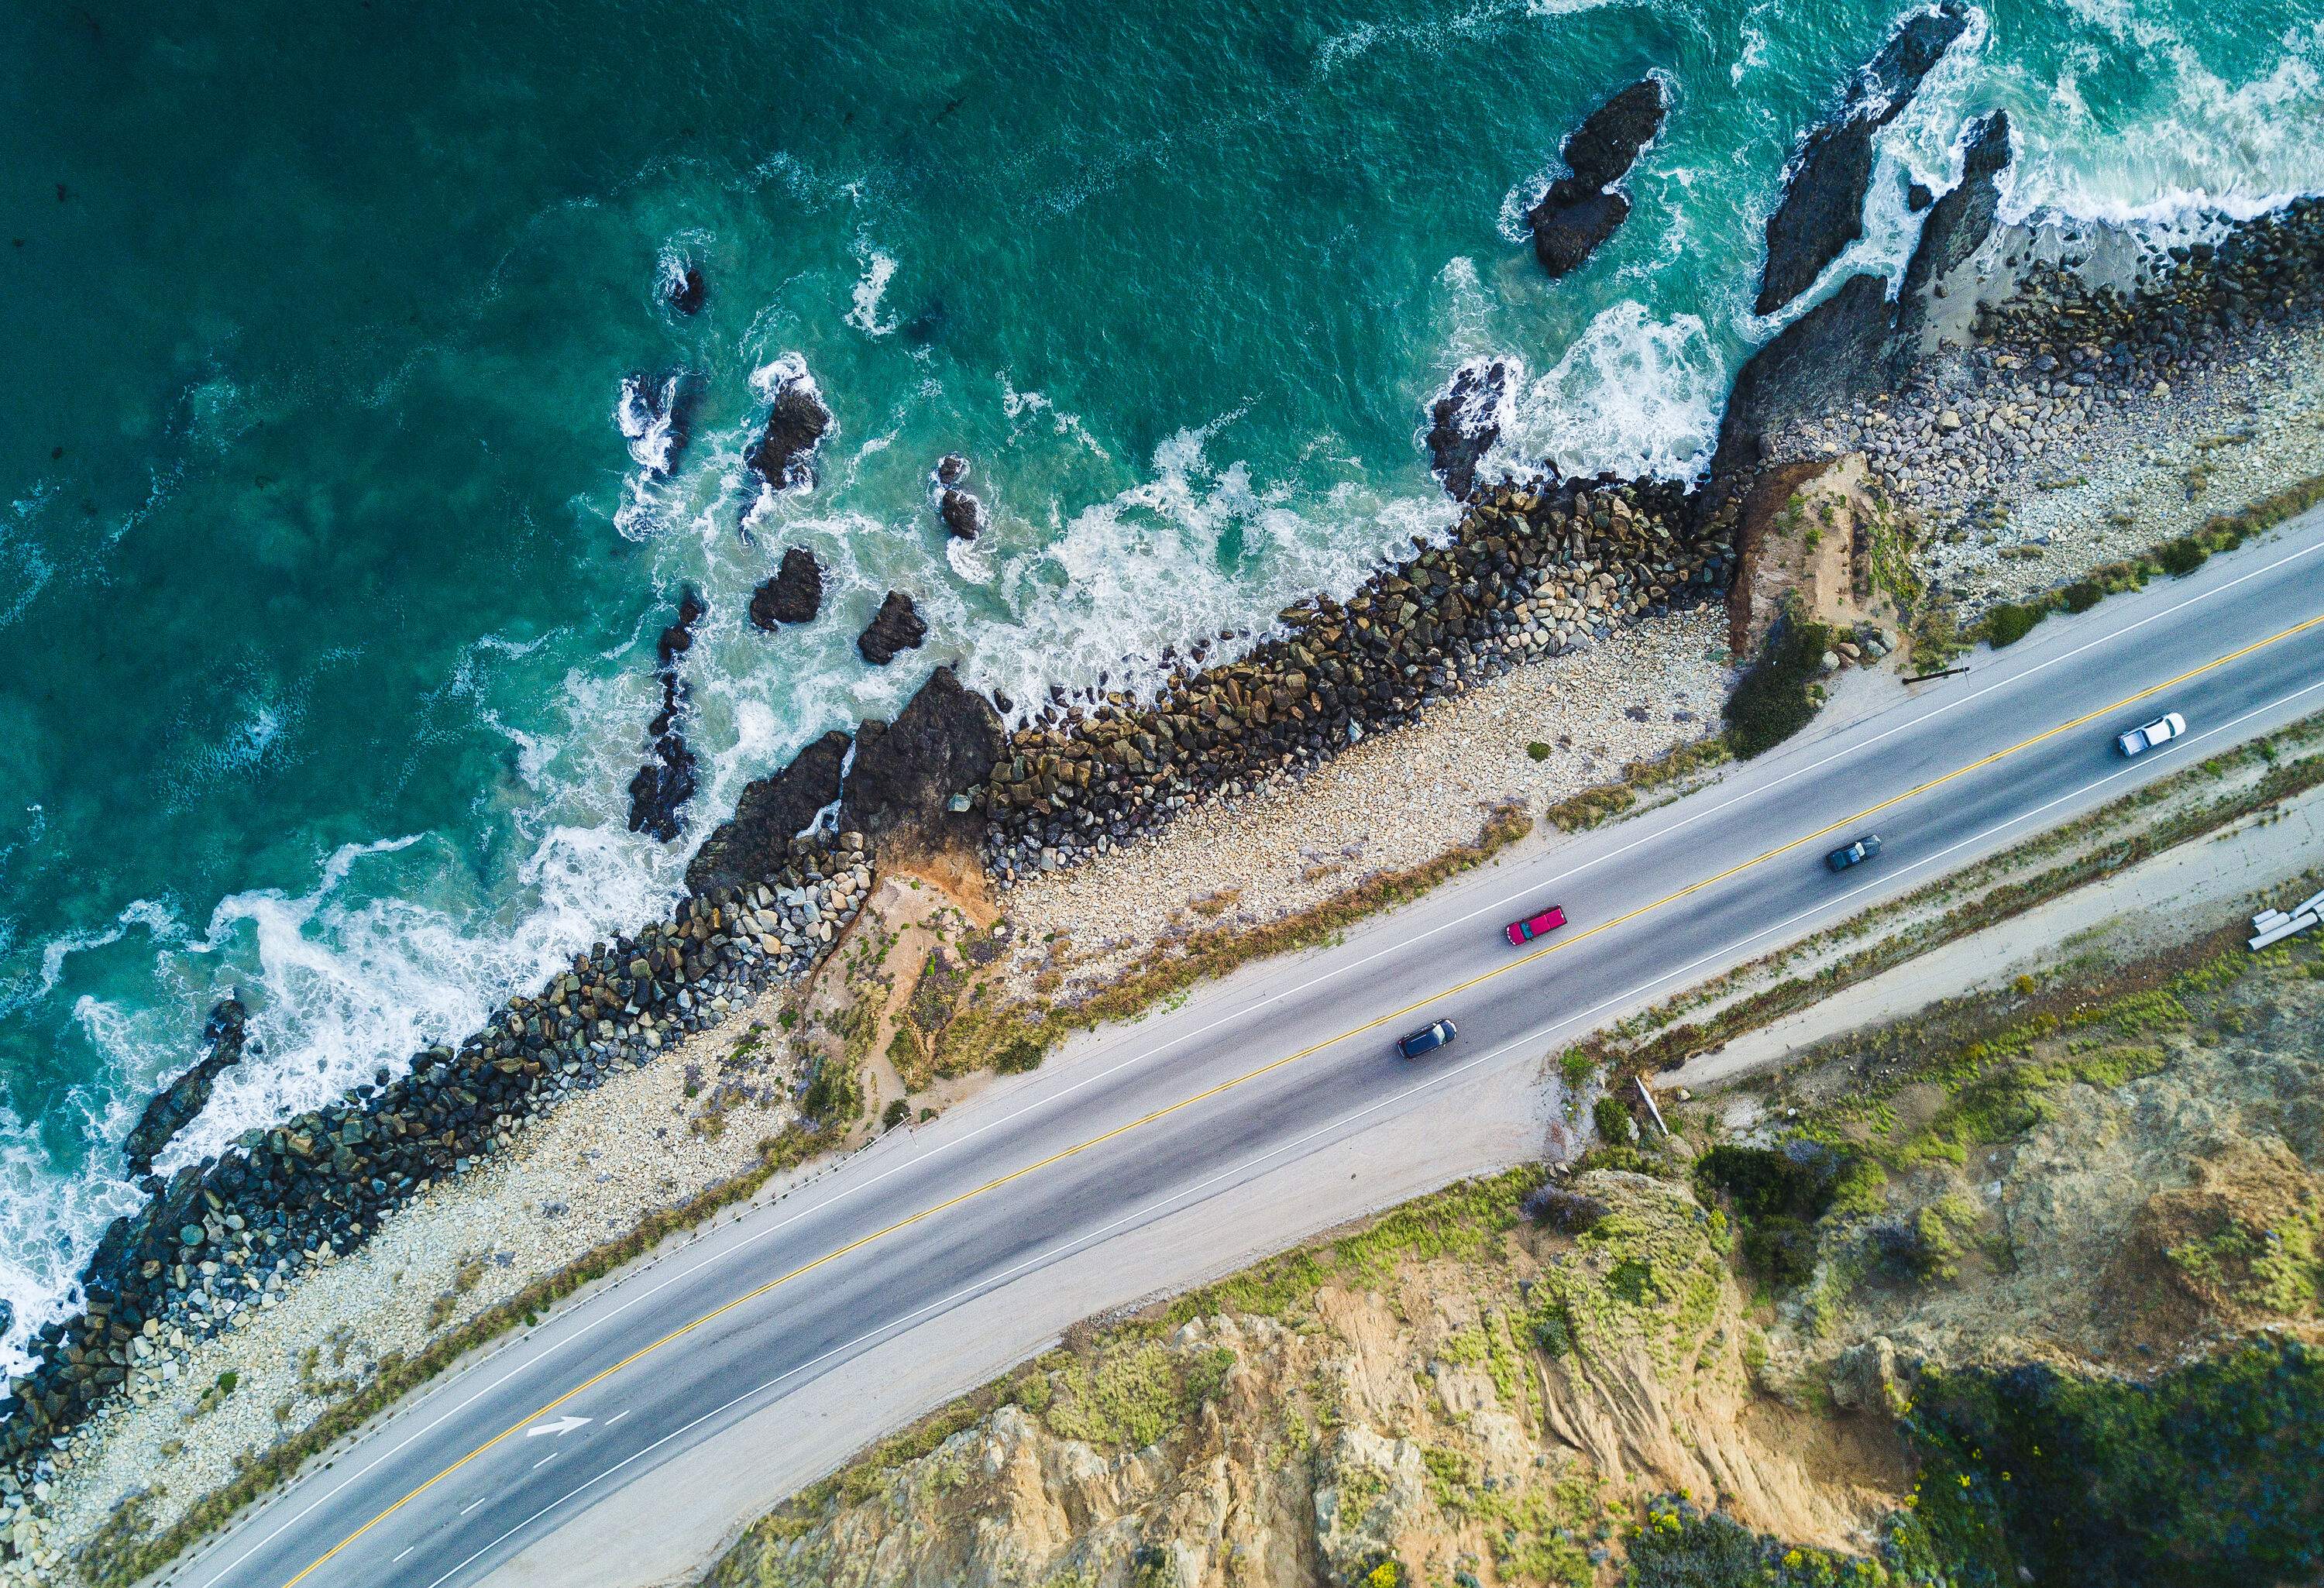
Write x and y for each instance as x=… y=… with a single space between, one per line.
x=1200 y=1097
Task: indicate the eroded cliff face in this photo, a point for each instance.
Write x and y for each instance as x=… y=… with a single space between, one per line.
x=1485 y=1405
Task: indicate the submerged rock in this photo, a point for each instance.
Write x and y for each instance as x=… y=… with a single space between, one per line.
x=793 y=596
x=1581 y=211
x=666 y=782
x=755 y=842
x=175 y=1108
x=1822 y=207
x=1466 y=422
x=656 y=413
x=685 y=289
x=897 y=627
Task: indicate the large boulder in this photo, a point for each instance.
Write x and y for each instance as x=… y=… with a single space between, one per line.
x=1822 y=207
x=1581 y=211
x=175 y=1108
x=784 y=454
x=666 y=782
x=957 y=506
x=908 y=774
x=755 y=843
x=685 y=288
x=895 y=628
x=795 y=594
x=1466 y=422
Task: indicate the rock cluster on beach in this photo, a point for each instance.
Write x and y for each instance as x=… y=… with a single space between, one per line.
x=1528 y=572
x=217 y=1240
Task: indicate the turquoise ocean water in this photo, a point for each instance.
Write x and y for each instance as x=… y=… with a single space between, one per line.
x=328 y=583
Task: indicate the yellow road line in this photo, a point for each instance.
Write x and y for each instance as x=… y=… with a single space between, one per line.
x=1227 y=1086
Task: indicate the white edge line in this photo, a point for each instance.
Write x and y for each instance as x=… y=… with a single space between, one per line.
x=1050 y=1099
x=1243 y=1170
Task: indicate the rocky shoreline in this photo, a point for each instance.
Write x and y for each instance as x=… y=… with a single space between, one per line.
x=1986 y=376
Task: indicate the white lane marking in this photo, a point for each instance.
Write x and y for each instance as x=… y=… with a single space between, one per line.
x=1048 y=1099
x=407 y=1550
x=617 y=1416
x=1439 y=1078
x=544 y=1461
x=472 y=1505
x=558 y=1429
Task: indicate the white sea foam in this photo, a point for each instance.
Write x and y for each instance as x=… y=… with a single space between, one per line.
x=1632 y=395
x=878 y=269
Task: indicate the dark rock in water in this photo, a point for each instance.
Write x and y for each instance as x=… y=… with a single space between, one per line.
x=962 y=514
x=754 y=843
x=1917 y=198
x=656 y=413
x=1958 y=223
x=784 y=454
x=794 y=595
x=667 y=782
x=1579 y=212
x=896 y=627
x=185 y=1097
x=907 y=773
x=1822 y=208
x=1464 y=423
x=1565 y=234
x=685 y=289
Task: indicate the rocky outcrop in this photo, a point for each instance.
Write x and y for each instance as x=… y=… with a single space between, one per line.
x=175 y=1108
x=684 y=289
x=1582 y=210
x=784 y=454
x=957 y=506
x=915 y=784
x=666 y=782
x=1834 y=354
x=656 y=413
x=1530 y=572
x=793 y=596
x=1957 y=225
x=1822 y=207
x=894 y=629
x=1466 y=422
x=755 y=842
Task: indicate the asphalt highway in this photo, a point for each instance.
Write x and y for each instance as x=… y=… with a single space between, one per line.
x=623 y=1438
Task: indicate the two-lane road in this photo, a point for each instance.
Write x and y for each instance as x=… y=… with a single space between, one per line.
x=620 y=1442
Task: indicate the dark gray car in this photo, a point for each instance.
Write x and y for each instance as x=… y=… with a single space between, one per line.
x=1428 y=1038
x=1855 y=854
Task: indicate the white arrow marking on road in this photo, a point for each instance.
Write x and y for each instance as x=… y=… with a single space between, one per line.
x=562 y=1425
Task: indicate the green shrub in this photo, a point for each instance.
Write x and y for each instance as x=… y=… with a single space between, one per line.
x=1538 y=751
x=2009 y=623
x=1015 y=1057
x=2082 y=595
x=2183 y=556
x=1612 y=1118
x=1776 y=1199
x=897 y=1113
x=835 y=1093
x=1777 y=697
